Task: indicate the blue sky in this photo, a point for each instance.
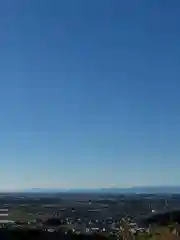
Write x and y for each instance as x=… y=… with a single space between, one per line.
x=89 y=93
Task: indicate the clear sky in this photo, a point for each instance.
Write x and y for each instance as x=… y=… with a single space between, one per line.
x=89 y=93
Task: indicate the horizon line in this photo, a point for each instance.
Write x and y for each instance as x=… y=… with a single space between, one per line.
x=84 y=188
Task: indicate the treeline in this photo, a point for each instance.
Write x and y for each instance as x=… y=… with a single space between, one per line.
x=165 y=218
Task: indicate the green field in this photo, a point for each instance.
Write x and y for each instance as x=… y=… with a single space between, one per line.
x=20 y=214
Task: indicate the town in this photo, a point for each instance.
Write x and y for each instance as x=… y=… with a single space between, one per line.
x=83 y=213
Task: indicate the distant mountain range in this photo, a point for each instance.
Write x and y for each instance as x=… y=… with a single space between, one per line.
x=132 y=190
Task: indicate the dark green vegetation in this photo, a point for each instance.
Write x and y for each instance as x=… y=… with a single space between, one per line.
x=38 y=235
x=164 y=218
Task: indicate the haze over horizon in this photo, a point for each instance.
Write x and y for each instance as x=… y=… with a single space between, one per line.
x=89 y=93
